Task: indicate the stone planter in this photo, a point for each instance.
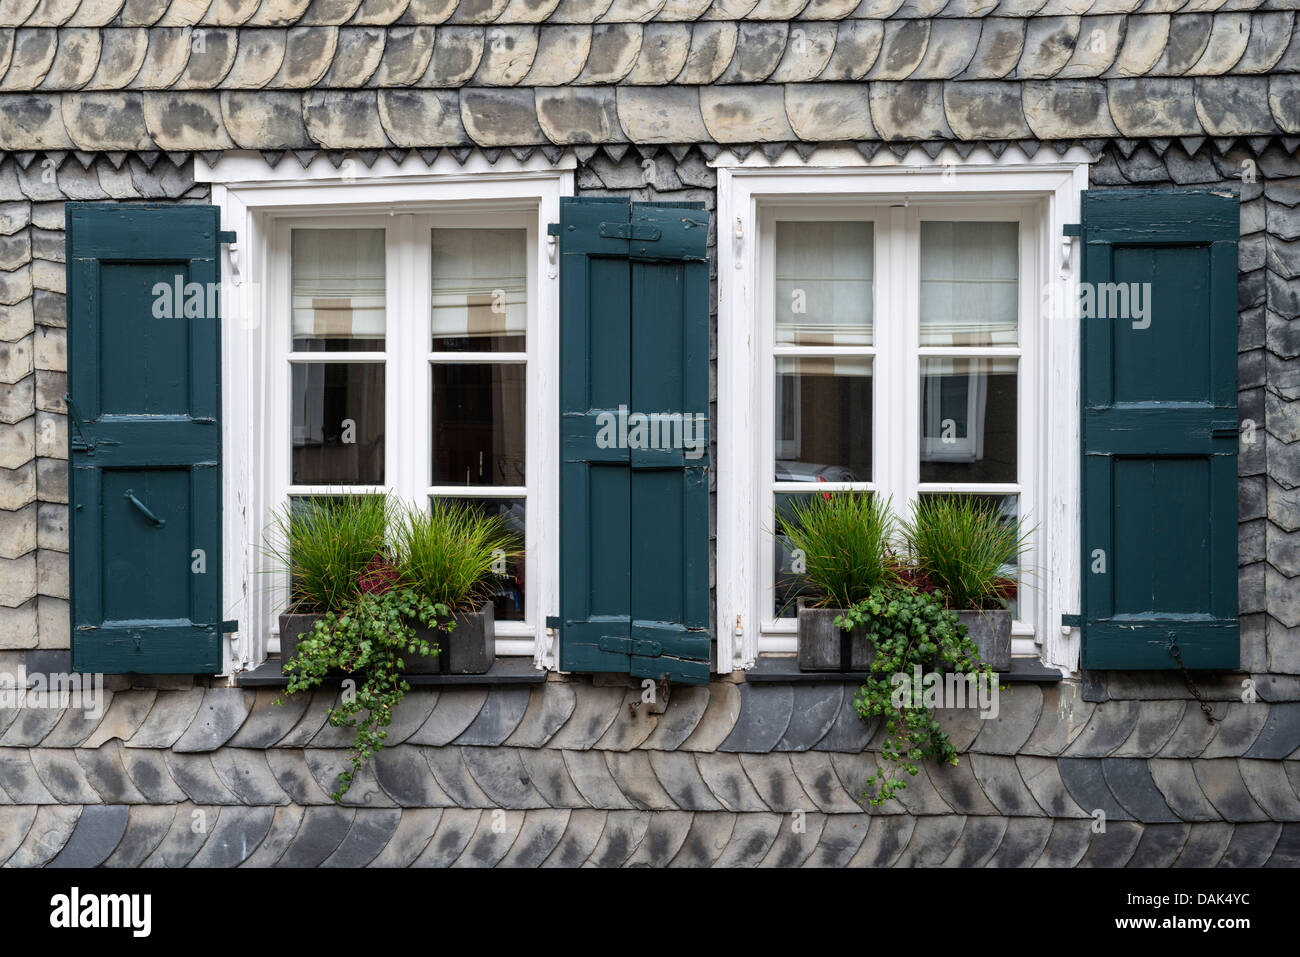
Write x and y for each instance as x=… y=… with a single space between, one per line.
x=822 y=646
x=469 y=648
x=991 y=632
x=292 y=627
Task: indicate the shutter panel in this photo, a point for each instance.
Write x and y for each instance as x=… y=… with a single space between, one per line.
x=144 y=406
x=634 y=518
x=1159 y=430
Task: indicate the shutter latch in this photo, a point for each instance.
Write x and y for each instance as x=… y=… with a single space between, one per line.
x=622 y=645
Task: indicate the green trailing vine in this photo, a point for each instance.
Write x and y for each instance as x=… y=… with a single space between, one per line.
x=908 y=629
x=369 y=639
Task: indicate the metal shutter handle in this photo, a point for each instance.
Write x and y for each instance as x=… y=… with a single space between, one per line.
x=144 y=510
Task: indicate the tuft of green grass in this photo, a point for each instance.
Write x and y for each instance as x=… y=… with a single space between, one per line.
x=965 y=547
x=326 y=543
x=447 y=553
x=844 y=541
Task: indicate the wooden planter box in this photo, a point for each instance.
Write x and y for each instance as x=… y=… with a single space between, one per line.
x=823 y=646
x=469 y=649
x=991 y=632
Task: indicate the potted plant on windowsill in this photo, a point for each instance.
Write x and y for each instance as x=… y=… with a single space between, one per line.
x=969 y=552
x=327 y=545
x=840 y=544
x=449 y=555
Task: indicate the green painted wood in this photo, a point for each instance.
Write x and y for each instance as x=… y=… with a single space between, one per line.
x=1159 y=430
x=144 y=388
x=634 y=520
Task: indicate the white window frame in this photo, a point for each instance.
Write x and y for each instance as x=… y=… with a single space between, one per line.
x=261 y=204
x=829 y=184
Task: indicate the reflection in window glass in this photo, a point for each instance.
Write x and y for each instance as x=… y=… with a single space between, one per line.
x=824 y=283
x=478 y=424
x=788 y=586
x=969 y=283
x=1007 y=508
x=968 y=420
x=823 y=419
x=338 y=290
x=508 y=586
x=480 y=290
x=338 y=423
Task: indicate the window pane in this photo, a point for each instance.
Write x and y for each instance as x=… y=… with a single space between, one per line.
x=478 y=424
x=788 y=587
x=480 y=290
x=968 y=420
x=824 y=283
x=338 y=423
x=338 y=290
x=823 y=419
x=1007 y=508
x=969 y=283
x=508 y=587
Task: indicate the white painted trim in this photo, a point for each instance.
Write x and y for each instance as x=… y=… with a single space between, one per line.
x=1049 y=424
x=256 y=202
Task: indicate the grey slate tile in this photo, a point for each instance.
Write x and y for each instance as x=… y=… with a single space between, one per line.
x=313 y=719
x=15 y=821
x=662 y=841
x=326 y=767
x=1022 y=842
x=539 y=835
x=1130 y=781
x=168 y=719
x=295 y=777
x=126 y=712
x=633 y=723
x=840 y=839
x=448 y=766
x=98 y=831
x=1157 y=722
x=1192 y=735
x=219 y=716
x=635 y=777
x=549 y=775
x=814 y=711
x=499 y=716
x=1067 y=845
x=933 y=839
x=190 y=829
x=1268 y=785
x=1160 y=845
x=623 y=832
x=492 y=839
x=1222 y=784
x=1085 y=779
x=726 y=778
x=775 y=781
x=1043 y=778
x=146 y=826
x=1000 y=779
x=246 y=773
x=680 y=779
x=752 y=836
x=370 y=832
x=1238 y=728
x=1114 y=846
x=404 y=775
x=285 y=824
x=1206 y=844
x=958 y=786
x=1110 y=725
x=816 y=773
x=1251 y=845
x=502 y=776
x=719 y=718
x=590 y=775
x=238 y=833
x=321 y=832
x=706 y=840
x=455 y=711
x=593 y=712
x=267 y=721
x=796 y=839
x=62 y=776
x=49 y=830
x=549 y=706
x=30 y=726
x=1177 y=782
x=579 y=841
x=1286 y=853
x=979 y=841
x=194 y=775
x=765 y=712
x=20 y=780
x=409 y=838
x=1280 y=735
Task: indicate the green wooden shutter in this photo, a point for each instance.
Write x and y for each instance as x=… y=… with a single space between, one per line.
x=634 y=520
x=1159 y=431
x=144 y=407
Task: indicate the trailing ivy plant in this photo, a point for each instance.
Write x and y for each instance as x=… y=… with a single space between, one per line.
x=908 y=629
x=370 y=639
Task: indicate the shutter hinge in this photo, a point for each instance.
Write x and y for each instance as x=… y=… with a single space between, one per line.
x=1069 y=233
x=622 y=645
x=227 y=627
x=227 y=236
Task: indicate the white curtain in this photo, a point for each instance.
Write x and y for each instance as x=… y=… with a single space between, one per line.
x=824 y=283
x=480 y=283
x=338 y=284
x=969 y=283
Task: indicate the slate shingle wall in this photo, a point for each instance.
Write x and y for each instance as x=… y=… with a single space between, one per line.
x=564 y=773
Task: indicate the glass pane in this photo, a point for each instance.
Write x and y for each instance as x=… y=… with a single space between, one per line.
x=969 y=283
x=478 y=424
x=508 y=586
x=823 y=419
x=788 y=587
x=338 y=423
x=824 y=286
x=968 y=420
x=338 y=290
x=1008 y=509
x=480 y=290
